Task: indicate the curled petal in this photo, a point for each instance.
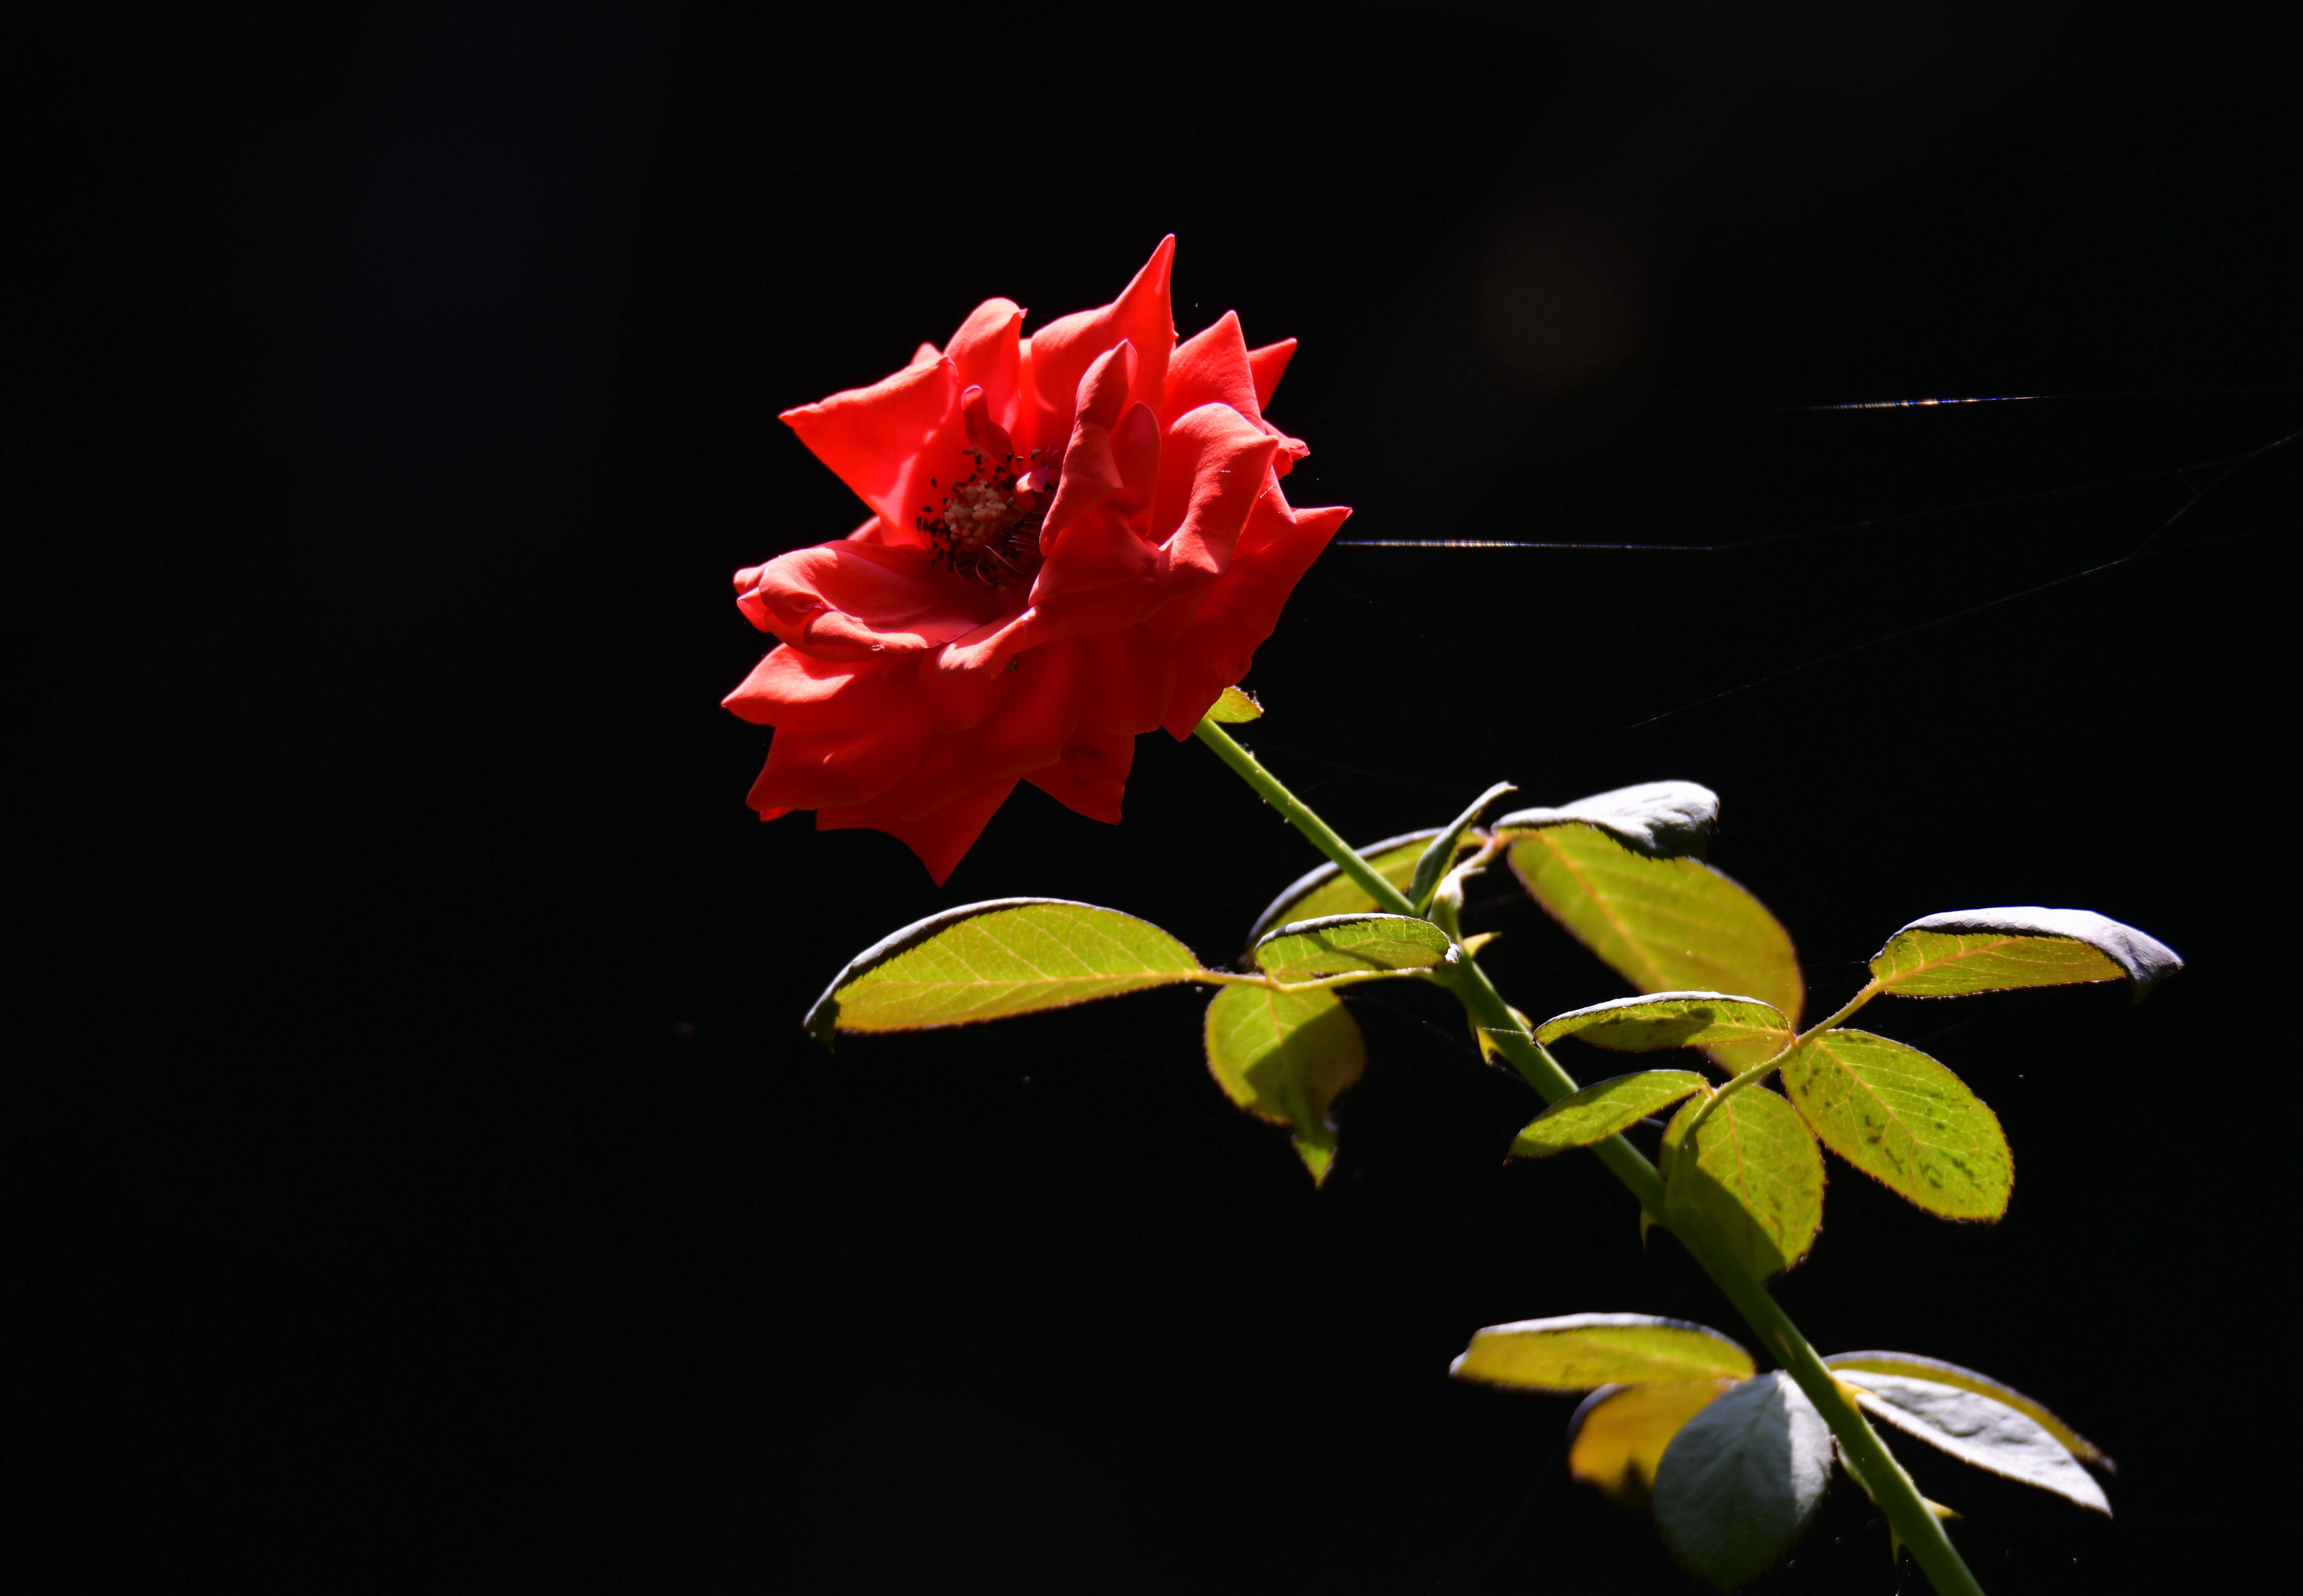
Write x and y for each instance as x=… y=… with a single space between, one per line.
x=1214 y=467
x=1062 y=350
x=940 y=838
x=987 y=352
x=790 y=689
x=1240 y=610
x=1092 y=776
x=851 y=600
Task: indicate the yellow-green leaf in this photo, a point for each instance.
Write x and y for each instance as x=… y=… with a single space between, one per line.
x=1664 y=925
x=1285 y=1058
x=1579 y=1351
x=1670 y=1020
x=1317 y=893
x=1904 y=1120
x=1235 y=707
x=1598 y=1112
x=1994 y=950
x=1440 y=852
x=1339 y=944
x=1754 y=1171
x=1912 y=1366
x=1616 y=1438
x=995 y=959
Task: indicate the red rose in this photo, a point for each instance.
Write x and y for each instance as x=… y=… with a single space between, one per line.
x=1076 y=537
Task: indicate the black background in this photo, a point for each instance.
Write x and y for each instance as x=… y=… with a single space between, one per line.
x=422 y=1181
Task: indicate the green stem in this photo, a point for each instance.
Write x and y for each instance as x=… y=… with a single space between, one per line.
x=1907 y=1512
x=1297 y=815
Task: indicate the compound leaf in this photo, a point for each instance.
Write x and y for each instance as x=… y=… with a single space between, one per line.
x=1915 y=1366
x=1670 y=1020
x=995 y=959
x=1754 y=1171
x=1285 y=1058
x=1977 y=1428
x=1903 y=1120
x=1579 y=1351
x=1742 y=1479
x=1320 y=892
x=1599 y=1110
x=1664 y=925
x=1338 y=944
x=1618 y=1437
x=1994 y=950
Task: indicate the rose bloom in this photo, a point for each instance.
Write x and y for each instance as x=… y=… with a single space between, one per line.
x=1076 y=537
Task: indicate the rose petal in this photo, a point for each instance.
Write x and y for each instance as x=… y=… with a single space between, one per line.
x=1240 y=610
x=986 y=353
x=851 y=600
x=813 y=769
x=1028 y=730
x=1269 y=363
x=1092 y=776
x=1211 y=471
x=790 y=689
x=1129 y=676
x=871 y=437
x=1063 y=349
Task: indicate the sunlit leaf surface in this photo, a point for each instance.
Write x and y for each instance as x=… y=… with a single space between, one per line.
x=1904 y=1120
x=1917 y=1367
x=1599 y=1110
x=1742 y=1479
x=1754 y=1170
x=1618 y=1437
x=1285 y=1058
x=1579 y=1351
x=1977 y=1428
x=1993 y=950
x=1670 y=1020
x=995 y=959
x=1344 y=942
x=1664 y=925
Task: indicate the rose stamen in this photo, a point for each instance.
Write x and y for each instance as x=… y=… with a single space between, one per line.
x=987 y=528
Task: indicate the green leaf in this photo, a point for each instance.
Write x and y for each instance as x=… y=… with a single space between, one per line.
x=1742 y=1481
x=1977 y=1428
x=1285 y=1058
x=1754 y=1171
x=1664 y=925
x=1616 y=1438
x=1666 y=819
x=995 y=959
x=1994 y=950
x=1598 y=1112
x=1341 y=943
x=1319 y=893
x=1903 y=1120
x=1670 y=1020
x=1582 y=1350
x=1440 y=853
x=1915 y=1366
x=1235 y=707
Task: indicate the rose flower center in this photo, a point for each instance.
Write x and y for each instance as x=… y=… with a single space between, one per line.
x=987 y=528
